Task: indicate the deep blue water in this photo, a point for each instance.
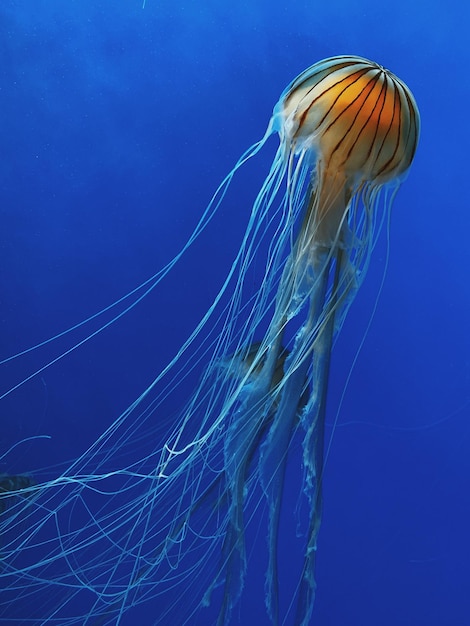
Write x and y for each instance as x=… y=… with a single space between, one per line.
x=117 y=124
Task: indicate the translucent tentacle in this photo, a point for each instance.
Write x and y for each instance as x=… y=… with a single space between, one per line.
x=241 y=442
x=272 y=471
x=297 y=283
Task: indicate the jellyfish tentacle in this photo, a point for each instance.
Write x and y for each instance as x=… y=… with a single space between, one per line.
x=272 y=473
x=304 y=280
x=313 y=419
x=241 y=443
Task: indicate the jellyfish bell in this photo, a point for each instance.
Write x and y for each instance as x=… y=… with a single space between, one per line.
x=360 y=121
x=348 y=131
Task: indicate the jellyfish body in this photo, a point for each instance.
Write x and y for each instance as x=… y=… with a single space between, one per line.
x=347 y=127
x=348 y=132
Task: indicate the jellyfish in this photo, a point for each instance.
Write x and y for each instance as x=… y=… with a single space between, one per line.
x=143 y=515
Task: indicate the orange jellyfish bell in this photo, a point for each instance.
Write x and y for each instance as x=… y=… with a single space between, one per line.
x=361 y=121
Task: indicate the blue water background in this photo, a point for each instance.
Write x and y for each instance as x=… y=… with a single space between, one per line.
x=117 y=123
